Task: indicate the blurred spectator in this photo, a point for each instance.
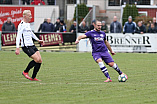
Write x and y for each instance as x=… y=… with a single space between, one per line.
x=83 y=27
x=8 y=26
x=140 y=28
x=51 y=2
x=115 y=26
x=48 y=26
x=152 y=29
x=92 y=25
x=62 y=27
x=155 y=23
x=129 y=26
x=26 y=2
x=37 y=2
x=104 y=27
x=57 y=25
x=5 y=1
x=73 y=27
x=40 y=28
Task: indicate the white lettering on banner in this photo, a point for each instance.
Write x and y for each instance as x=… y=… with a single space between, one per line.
x=9 y=37
x=13 y=12
x=128 y=40
x=4 y=14
x=126 y=43
x=51 y=37
x=1 y=22
x=16 y=12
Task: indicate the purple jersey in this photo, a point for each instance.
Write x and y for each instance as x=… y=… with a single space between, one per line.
x=97 y=39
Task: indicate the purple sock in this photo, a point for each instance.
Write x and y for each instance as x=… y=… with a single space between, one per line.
x=104 y=70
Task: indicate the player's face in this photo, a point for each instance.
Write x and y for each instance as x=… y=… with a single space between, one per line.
x=98 y=26
x=28 y=17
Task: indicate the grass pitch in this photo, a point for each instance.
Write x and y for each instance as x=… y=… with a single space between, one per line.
x=74 y=78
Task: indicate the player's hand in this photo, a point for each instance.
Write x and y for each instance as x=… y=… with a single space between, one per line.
x=77 y=41
x=17 y=52
x=113 y=53
x=40 y=41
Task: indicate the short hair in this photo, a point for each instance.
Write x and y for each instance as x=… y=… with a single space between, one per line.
x=25 y=12
x=96 y=21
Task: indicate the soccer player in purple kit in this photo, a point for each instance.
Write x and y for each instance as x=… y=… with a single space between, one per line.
x=100 y=47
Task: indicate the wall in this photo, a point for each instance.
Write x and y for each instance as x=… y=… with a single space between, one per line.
x=42 y=12
x=70 y=11
x=105 y=11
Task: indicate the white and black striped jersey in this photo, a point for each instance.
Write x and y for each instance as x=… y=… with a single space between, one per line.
x=25 y=34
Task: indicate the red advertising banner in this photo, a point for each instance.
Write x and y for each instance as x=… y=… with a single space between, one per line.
x=8 y=39
x=15 y=12
x=51 y=38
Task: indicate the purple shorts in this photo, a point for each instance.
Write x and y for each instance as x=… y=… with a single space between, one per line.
x=104 y=56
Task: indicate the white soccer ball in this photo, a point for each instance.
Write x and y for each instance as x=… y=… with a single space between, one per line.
x=122 y=78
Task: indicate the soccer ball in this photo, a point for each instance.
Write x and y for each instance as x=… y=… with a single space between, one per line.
x=122 y=78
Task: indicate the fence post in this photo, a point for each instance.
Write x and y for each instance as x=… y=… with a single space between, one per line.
x=94 y=10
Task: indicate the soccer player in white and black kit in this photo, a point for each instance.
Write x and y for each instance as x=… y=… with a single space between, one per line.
x=25 y=34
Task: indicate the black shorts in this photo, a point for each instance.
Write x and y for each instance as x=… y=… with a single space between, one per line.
x=30 y=50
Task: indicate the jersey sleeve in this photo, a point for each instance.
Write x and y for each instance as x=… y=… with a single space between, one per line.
x=88 y=34
x=34 y=36
x=19 y=34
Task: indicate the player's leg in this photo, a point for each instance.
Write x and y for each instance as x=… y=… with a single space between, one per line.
x=37 y=58
x=98 y=59
x=115 y=66
x=103 y=68
x=108 y=60
x=29 y=51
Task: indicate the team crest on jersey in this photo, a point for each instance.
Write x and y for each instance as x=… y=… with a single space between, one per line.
x=98 y=39
x=101 y=35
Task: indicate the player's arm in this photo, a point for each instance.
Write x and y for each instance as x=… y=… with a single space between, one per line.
x=80 y=37
x=109 y=47
x=19 y=34
x=35 y=37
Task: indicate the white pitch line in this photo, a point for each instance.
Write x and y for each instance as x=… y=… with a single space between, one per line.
x=52 y=83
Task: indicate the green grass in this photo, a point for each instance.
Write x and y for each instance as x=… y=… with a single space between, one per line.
x=74 y=78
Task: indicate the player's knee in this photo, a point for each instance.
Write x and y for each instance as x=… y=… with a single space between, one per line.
x=111 y=64
x=99 y=60
x=38 y=60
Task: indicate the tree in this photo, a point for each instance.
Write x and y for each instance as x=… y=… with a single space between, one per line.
x=82 y=12
x=130 y=10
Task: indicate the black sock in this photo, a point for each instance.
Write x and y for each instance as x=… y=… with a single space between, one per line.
x=30 y=65
x=36 y=69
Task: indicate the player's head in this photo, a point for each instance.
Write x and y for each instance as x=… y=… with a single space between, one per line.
x=97 y=25
x=27 y=15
